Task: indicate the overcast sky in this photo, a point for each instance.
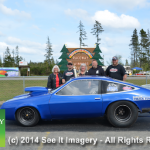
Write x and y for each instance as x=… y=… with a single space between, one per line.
x=27 y=23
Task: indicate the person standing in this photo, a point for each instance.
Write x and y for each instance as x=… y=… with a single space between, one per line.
x=116 y=70
x=54 y=79
x=82 y=70
x=69 y=73
x=96 y=69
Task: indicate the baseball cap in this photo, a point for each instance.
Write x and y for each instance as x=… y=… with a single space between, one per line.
x=115 y=58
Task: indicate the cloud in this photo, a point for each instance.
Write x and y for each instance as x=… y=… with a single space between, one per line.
x=8 y=11
x=71 y=44
x=123 y=5
x=25 y=43
x=78 y=13
x=106 y=18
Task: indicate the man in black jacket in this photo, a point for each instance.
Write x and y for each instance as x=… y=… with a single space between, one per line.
x=96 y=69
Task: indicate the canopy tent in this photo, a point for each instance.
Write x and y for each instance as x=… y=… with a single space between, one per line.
x=136 y=68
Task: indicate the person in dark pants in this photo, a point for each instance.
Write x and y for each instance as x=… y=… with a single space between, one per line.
x=68 y=73
x=116 y=70
x=54 y=79
x=96 y=69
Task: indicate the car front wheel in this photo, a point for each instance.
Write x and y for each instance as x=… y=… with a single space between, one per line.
x=122 y=114
x=27 y=116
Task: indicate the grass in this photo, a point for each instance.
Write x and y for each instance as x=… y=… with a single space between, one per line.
x=11 y=88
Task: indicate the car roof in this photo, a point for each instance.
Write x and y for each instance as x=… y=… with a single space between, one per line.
x=104 y=78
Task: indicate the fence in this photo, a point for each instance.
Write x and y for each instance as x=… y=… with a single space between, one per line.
x=10 y=87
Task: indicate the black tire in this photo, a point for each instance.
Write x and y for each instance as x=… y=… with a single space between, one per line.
x=122 y=114
x=27 y=116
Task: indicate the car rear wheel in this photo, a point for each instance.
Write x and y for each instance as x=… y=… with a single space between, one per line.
x=122 y=114
x=27 y=116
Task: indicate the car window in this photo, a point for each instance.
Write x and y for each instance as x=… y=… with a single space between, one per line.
x=81 y=87
x=111 y=87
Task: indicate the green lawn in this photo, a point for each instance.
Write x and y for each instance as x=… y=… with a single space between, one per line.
x=9 y=88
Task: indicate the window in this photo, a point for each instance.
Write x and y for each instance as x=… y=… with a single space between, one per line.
x=111 y=87
x=81 y=87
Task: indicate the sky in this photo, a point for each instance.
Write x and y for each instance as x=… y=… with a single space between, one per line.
x=28 y=23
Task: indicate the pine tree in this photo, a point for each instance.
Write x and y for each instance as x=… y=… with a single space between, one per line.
x=7 y=58
x=144 y=47
x=96 y=30
x=17 y=57
x=49 y=51
x=135 y=48
x=63 y=63
x=126 y=63
x=82 y=34
x=97 y=56
x=0 y=62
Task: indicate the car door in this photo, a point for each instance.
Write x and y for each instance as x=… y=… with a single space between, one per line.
x=78 y=99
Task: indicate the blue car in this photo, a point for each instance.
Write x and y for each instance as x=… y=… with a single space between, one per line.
x=81 y=97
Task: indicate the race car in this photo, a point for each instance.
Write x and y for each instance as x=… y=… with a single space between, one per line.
x=81 y=97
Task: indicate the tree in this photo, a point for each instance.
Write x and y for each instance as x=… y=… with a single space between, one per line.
x=63 y=63
x=135 y=48
x=17 y=57
x=7 y=58
x=82 y=34
x=1 y=62
x=49 y=51
x=126 y=63
x=144 y=48
x=97 y=56
x=96 y=30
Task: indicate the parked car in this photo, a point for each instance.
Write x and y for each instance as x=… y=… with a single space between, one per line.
x=81 y=97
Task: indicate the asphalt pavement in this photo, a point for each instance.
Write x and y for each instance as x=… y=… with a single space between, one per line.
x=81 y=132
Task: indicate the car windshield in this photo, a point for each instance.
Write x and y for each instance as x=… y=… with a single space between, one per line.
x=52 y=91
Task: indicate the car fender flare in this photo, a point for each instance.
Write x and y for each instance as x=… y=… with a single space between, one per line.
x=123 y=100
x=29 y=105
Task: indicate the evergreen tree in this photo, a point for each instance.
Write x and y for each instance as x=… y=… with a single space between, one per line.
x=49 y=51
x=7 y=58
x=97 y=56
x=0 y=62
x=144 y=47
x=96 y=30
x=126 y=63
x=63 y=63
x=17 y=57
x=135 y=48
x=82 y=34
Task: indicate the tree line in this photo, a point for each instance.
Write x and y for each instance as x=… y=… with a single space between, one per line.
x=12 y=58
x=140 y=49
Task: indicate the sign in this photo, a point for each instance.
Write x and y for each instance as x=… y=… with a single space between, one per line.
x=80 y=51
x=9 y=72
x=2 y=127
x=23 y=63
